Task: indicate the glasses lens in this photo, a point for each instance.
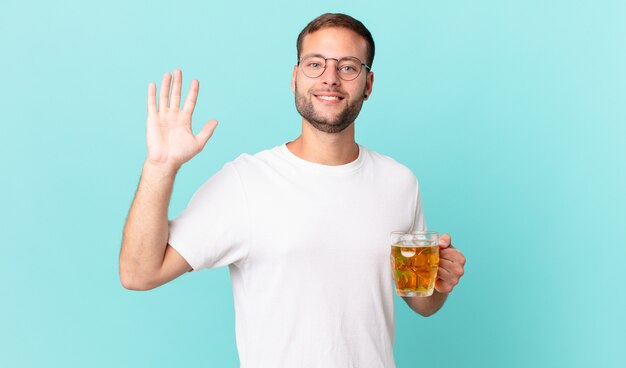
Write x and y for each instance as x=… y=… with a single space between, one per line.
x=313 y=66
x=349 y=68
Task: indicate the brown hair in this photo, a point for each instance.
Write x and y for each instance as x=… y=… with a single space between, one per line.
x=342 y=21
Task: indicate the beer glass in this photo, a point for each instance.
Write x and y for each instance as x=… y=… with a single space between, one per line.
x=414 y=262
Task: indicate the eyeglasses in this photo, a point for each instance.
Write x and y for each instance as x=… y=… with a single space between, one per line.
x=348 y=68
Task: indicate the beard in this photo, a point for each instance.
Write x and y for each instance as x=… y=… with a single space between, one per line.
x=336 y=124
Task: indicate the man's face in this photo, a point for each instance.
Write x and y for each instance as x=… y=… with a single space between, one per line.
x=327 y=102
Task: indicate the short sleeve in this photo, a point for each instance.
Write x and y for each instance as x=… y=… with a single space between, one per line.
x=212 y=230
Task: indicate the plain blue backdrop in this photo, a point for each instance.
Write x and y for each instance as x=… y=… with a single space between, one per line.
x=512 y=115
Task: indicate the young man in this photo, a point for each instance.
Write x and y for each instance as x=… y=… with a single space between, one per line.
x=304 y=227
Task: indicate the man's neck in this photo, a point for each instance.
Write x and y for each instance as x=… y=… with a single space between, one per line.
x=330 y=149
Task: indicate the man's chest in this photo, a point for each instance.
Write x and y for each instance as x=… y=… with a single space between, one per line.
x=328 y=223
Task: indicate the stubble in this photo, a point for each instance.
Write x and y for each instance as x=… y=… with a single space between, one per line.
x=336 y=124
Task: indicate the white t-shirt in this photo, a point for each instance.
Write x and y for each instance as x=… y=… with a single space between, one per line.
x=308 y=250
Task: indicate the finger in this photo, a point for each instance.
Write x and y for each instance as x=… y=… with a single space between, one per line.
x=206 y=132
x=444 y=241
x=176 y=86
x=452 y=254
x=447 y=277
x=446 y=264
x=449 y=253
x=442 y=286
x=165 y=91
x=451 y=268
x=192 y=96
x=152 y=107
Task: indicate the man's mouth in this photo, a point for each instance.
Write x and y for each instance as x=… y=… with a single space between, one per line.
x=329 y=98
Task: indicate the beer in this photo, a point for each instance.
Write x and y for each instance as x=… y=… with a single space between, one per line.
x=414 y=267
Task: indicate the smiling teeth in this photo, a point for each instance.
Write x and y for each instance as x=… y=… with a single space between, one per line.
x=329 y=98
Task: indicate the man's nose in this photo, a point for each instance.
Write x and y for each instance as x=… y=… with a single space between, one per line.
x=331 y=74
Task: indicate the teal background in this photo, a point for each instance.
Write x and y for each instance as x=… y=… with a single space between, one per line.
x=511 y=113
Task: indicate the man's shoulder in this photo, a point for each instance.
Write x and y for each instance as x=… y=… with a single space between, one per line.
x=246 y=161
x=265 y=154
x=387 y=163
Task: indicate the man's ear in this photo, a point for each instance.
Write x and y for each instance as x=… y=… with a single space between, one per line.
x=293 y=78
x=369 y=83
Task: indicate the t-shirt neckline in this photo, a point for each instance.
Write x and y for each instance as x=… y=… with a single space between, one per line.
x=337 y=169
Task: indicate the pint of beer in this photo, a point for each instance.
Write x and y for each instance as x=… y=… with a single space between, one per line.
x=414 y=262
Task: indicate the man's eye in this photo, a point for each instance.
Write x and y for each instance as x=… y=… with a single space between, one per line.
x=347 y=69
x=313 y=65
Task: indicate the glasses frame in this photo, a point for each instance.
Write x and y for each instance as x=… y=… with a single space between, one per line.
x=369 y=69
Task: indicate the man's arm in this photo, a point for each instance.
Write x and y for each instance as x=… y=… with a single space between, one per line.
x=426 y=306
x=451 y=268
x=146 y=260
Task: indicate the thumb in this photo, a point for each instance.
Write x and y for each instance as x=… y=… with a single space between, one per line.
x=206 y=132
x=444 y=241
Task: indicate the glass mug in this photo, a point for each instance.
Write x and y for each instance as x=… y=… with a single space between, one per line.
x=414 y=262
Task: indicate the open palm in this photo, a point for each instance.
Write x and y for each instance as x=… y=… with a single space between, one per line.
x=168 y=128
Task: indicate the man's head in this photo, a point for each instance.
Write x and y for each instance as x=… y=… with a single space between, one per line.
x=329 y=92
x=339 y=21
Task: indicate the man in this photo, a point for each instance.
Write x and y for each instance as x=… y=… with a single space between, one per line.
x=303 y=227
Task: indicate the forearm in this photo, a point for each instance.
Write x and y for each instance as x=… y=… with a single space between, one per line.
x=427 y=306
x=146 y=230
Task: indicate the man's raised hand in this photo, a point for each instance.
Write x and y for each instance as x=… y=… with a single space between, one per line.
x=170 y=139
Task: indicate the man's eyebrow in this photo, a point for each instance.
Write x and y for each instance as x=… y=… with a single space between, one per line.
x=309 y=55
x=324 y=57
